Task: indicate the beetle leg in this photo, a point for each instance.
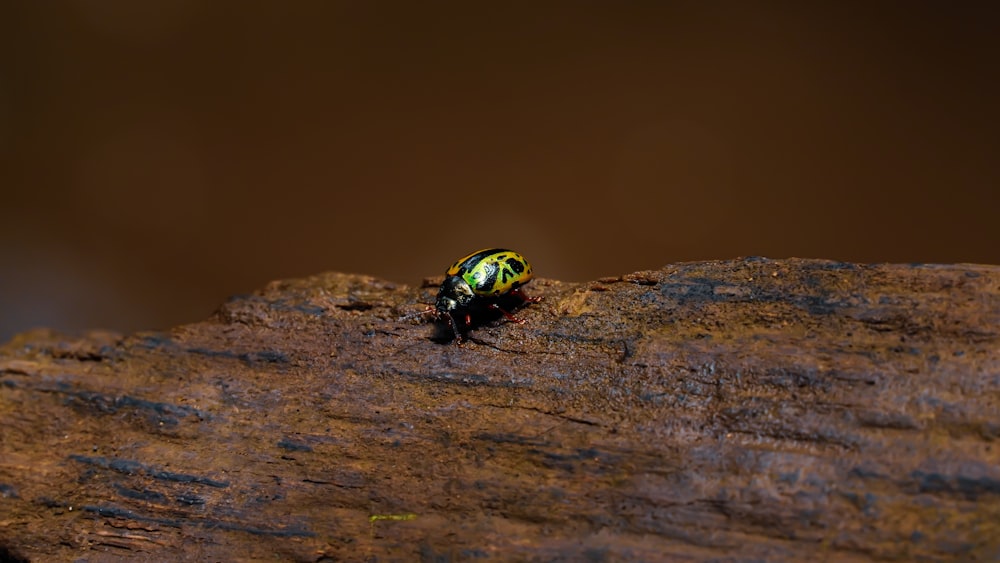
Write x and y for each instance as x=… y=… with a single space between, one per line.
x=454 y=327
x=525 y=298
x=510 y=317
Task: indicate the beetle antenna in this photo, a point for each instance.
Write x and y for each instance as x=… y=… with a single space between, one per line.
x=426 y=311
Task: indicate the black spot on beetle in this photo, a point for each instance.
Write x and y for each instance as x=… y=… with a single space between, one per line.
x=489 y=280
x=516 y=265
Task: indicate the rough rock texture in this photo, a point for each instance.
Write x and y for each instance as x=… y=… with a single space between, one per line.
x=736 y=410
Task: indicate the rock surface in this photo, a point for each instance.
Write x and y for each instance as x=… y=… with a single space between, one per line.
x=747 y=409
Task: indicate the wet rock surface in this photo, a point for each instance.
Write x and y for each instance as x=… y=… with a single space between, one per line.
x=746 y=409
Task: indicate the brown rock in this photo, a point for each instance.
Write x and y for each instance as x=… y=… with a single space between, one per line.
x=750 y=409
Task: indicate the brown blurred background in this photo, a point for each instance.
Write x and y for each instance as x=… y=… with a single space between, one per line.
x=158 y=156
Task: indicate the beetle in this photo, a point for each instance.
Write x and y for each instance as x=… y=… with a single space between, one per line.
x=486 y=280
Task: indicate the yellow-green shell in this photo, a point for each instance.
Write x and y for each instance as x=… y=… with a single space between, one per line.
x=492 y=271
